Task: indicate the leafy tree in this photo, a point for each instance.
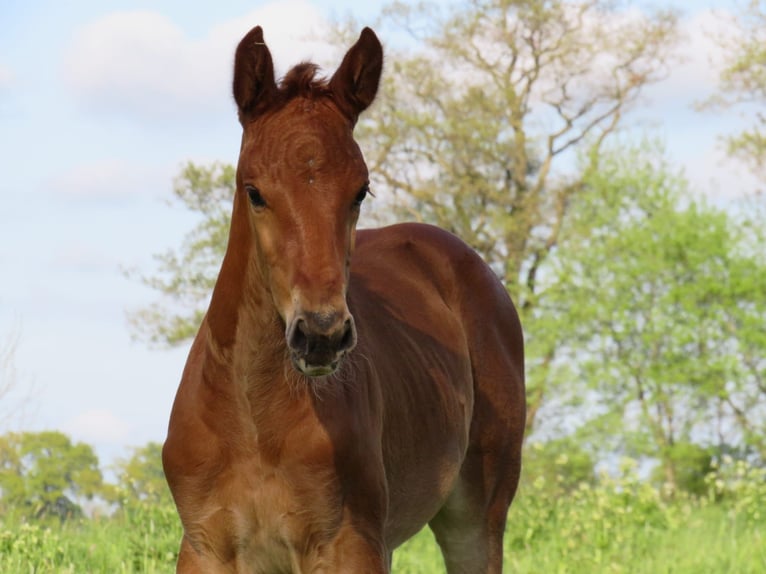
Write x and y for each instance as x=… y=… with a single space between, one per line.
x=563 y=464
x=475 y=130
x=42 y=474
x=141 y=478
x=642 y=306
x=186 y=277
x=655 y=306
x=742 y=84
x=744 y=396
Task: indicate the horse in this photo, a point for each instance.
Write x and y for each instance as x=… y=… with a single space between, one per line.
x=345 y=388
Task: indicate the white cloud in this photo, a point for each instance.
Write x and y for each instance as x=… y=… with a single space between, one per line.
x=6 y=76
x=712 y=172
x=98 y=426
x=694 y=137
x=83 y=258
x=141 y=63
x=112 y=179
x=695 y=76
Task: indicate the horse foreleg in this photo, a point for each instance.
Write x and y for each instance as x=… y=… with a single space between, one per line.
x=350 y=552
x=190 y=562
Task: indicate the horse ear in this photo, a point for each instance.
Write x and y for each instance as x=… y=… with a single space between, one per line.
x=355 y=83
x=254 y=83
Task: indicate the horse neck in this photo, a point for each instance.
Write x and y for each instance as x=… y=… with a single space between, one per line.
x=246 y=333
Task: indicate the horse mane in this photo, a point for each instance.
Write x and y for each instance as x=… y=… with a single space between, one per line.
x=303 y=81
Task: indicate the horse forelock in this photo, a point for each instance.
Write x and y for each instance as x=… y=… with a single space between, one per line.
x=303 y=81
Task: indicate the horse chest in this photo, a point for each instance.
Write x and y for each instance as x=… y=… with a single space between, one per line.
x=265 y=519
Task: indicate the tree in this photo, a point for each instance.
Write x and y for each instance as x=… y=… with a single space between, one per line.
x=186 y=277
x=475 y=130
x=742 y=84
x=43 y=474
x=563 y=463
x=141 y=478
x=481 y=115
x=641 y=305
x=654 y=305
x=13 y=401
x=744 y=397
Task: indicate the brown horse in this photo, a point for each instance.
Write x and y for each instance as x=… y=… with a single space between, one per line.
x=345 y=388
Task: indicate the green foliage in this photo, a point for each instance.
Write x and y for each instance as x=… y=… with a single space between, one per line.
x=153 y=535
x=563 y=464
x=741 y=486
x=650 y=310
x=144 y=539
x=594 y=517
x=186 y=277
x=614 y=524
x=480 y=111
x=141 y=478
x=418 y=555
x=624 y=524
x=691 y=464
x=42 y=474
x=643 y=305
x=492 y=175
x=32 y=545
x=742 y=84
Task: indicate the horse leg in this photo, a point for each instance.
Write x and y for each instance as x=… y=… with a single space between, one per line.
x=469 y=527
x=350 y=552
x=189 y=562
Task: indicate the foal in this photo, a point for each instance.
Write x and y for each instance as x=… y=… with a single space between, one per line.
x=345 y=388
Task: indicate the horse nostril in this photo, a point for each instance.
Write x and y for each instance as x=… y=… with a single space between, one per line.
x=348 y=340
x=299 y=337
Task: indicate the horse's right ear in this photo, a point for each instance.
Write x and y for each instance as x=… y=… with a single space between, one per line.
x=254 y=83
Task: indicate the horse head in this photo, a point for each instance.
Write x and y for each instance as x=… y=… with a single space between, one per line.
x=301 y=180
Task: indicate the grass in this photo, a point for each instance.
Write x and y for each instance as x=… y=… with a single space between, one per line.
x=615 y=526
x=140 y=540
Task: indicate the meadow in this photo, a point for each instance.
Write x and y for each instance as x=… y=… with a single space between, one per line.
x=609 y=525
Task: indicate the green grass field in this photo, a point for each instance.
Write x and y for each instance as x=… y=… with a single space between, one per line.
x=616 y=526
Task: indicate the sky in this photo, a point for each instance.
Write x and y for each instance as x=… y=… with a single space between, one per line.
x=101 y=102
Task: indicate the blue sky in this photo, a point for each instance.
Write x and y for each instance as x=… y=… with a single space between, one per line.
x=100 y=103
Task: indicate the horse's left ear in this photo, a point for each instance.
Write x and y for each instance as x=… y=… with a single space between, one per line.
x=355 y=83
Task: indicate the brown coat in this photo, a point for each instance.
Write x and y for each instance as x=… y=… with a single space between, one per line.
x=345 y=388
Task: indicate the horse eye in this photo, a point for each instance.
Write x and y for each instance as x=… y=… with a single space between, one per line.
x=361 y=195
x=255 y=196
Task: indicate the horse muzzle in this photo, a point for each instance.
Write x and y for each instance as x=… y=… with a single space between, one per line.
x=318 y=341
